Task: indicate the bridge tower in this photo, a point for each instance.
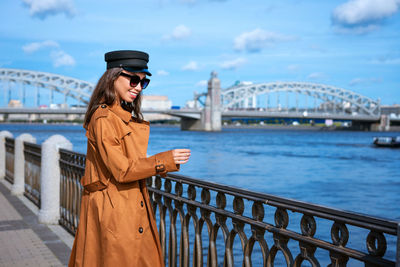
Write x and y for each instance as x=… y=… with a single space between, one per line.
x=210 y=116
x=212 y=109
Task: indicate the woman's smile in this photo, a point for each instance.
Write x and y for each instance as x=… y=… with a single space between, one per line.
x=133 y=94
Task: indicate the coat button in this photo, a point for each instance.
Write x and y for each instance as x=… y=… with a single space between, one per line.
x=140 y=230
x=141 y=203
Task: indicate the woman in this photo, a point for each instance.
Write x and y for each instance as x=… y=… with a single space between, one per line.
x=117 y=226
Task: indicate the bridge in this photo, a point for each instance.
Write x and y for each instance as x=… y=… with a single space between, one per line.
x=295 y=100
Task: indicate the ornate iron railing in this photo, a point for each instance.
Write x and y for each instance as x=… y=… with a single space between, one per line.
x=33 y=157
x=217 y=225
x=10 y=145
x=72 y=166
x=241 y=217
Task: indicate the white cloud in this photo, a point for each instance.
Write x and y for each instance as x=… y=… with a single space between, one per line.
x=316 y=76
x=317 y=48
x=193 y=2
x=357 y=81
x=362 y=16
x=33 y=47
x=388 y=59
x=162 y=73
x=293 y=67
x=257 y=39
x=233 y=64
x=44 y=8
x=187 y=1
x=5 y=63
x=192 y=66
x=360 y=29
x=60 y=58
x=180 y=32
x=202 y=83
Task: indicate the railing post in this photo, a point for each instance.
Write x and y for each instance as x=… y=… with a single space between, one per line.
x=50 y=178
x=3 y=135
x=18 y=187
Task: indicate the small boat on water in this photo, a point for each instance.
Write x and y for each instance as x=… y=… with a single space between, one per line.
x=387 y=141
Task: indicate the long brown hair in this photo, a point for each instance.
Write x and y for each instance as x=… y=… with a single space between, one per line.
x=104 y=93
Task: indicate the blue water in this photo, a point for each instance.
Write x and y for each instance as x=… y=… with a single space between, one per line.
x=331 y=168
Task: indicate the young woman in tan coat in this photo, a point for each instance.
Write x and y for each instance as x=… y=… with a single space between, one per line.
x=117 y=227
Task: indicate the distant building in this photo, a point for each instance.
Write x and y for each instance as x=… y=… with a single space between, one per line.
x=160 y=102
x=156 y=102
x=15 y=103
x=392 y=111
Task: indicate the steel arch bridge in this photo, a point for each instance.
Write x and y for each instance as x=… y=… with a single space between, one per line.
x=69 y=87
x=332 y=99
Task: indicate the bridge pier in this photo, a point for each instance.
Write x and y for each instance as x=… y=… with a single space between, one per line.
x=384 y=125
x=189 y=124
x=33 y=117
x=3 y=117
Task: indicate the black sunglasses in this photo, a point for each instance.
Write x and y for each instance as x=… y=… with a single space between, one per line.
x=135 y=80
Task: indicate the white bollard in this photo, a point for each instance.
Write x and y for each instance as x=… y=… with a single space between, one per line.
x=18 y=187
x=50 y=178
x=3 y=135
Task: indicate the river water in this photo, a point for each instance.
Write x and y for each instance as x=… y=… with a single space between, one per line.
x=339 y=169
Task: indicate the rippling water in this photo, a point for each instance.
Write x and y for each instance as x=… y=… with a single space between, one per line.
x=330 y=168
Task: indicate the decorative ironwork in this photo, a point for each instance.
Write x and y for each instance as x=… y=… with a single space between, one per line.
x=72 y=166
x=199 y=212
x=33 y=157
x=222 y=209
x=10 y=147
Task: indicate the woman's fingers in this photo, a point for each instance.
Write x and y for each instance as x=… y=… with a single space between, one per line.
x=181 y=156
x=186 y=150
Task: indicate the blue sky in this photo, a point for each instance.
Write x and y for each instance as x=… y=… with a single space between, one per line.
x=352 y=44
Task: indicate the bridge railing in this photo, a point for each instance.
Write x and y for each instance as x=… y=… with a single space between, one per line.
x=201 y=222
x=193 y=213
x=10 y=146
x=72 y=167
x=33 y=157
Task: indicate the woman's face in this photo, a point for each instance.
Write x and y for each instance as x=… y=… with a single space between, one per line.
x=123 y=89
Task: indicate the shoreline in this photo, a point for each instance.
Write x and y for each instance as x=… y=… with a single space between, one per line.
x=243 y=126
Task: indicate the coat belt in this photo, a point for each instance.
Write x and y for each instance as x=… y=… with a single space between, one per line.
x=96 y=186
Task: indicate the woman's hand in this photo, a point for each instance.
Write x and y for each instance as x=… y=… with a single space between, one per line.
x=181 y=156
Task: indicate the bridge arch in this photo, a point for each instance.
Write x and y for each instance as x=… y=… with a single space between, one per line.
x=340 y=100
x=69 y=87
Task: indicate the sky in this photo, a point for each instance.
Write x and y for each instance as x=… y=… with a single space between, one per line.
x=350 y=44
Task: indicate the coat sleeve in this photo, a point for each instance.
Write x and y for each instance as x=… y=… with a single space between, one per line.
x=123 y=169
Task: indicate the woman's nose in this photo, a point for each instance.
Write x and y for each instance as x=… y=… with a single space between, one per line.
x=138 y=87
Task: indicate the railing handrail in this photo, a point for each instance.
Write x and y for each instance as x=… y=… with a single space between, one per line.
x=349 y=217
x=63 y=150
x=33 y=149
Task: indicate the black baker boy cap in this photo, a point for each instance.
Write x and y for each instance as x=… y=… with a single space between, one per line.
x=129 y=60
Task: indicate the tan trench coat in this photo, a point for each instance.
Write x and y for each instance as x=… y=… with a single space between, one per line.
x=117 y=227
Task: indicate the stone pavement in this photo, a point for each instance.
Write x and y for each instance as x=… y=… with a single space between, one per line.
x=23 y=240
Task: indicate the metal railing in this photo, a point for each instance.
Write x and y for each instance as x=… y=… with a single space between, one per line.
x=72 y=167
x=241 y=217
x=33 y=157
x=204 y=223
x=10 y=145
